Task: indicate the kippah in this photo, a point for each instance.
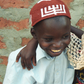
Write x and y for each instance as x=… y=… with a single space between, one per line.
x=44 y=9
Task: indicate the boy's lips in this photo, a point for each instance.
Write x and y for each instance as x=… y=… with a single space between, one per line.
x=56 y=51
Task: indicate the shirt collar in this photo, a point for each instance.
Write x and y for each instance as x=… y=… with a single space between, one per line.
x=40 y=53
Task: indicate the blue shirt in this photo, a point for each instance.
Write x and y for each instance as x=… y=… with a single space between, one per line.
x=49 y=70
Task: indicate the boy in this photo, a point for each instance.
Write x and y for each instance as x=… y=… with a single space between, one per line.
x=52 y=31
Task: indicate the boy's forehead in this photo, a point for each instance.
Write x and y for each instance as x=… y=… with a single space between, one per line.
x=48 y=8
x=44 y=28
x=54 y=22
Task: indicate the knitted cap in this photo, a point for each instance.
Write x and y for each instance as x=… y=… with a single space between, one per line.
x=48 y=8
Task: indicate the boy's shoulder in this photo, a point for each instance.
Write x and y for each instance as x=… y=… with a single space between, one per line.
x=13 y=55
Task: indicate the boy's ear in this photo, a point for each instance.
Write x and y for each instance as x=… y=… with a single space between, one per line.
x=33 y=32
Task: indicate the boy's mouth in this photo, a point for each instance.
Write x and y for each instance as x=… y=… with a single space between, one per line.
x=55 y=51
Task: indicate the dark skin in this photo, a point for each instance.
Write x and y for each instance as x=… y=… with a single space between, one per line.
x=53 y=38
x=28 y=53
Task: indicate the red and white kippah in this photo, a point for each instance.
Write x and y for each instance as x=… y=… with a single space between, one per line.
x=48 y=8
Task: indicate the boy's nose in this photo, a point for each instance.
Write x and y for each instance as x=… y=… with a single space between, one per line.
x=57 y=44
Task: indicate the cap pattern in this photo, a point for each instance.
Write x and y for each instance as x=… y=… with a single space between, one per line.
x=50 y=10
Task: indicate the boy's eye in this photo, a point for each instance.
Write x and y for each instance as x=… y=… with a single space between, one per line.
x=48 y=39
x=65 y=37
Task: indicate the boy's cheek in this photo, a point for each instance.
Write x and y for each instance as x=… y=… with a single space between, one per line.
x=44 y=45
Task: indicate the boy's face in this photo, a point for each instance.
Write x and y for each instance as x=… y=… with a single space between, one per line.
x=53 y=35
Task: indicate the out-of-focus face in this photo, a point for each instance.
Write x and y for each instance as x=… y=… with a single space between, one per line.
x=53 y=35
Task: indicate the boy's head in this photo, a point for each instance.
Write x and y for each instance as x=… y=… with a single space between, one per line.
x=51 y=26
